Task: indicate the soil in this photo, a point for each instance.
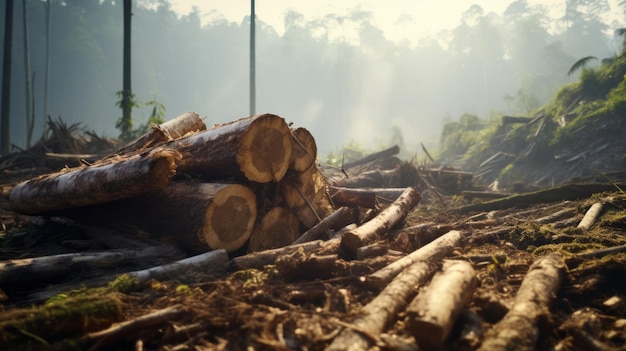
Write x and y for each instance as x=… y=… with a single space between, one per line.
x=302 y=302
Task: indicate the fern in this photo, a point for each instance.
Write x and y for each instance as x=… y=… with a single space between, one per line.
x=580 y=64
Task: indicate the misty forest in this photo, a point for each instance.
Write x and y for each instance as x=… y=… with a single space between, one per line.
x=338 y=75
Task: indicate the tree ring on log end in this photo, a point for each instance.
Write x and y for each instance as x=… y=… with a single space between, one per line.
x=265 y=150
x=230 y=218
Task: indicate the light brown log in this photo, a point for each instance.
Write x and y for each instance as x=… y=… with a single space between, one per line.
x=189 y=122
x=518 y=330
x=553 y=217
x=304 y=150
x=256 y=148
x=306 y=194
x=95 y=184
x=363 y=197
x=372 y=250
x=592 y=214
x=382 y=223
x=195 y=215
x=279 y=227
x=433 y=252
x=262 y=258
x=433 y=313
x=383 y=310
x=338 y=219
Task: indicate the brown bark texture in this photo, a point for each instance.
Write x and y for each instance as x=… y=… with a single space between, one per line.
x=278 y=227
x=256 y=148
x=518 y=330
x=338 y=219
x=433 y=313
x=382 y=223
x=364 y=197
x=306 y=194
x=97 y=184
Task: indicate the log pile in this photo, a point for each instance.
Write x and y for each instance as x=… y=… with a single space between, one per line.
x=251 y=181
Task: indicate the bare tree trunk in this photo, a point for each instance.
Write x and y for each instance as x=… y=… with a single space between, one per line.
x=126 y=124
x=252 y=60
x=6 y=79
x=47 y=70
x=30 y=117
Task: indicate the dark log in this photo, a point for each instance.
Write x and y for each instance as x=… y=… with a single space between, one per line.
x=515 y=119
x=256 y=148
x=394 y=150
x=279 y=227
x=363 y=197
x=433 y=313
x=519 y=328
x=382 y=223
x=433 y=252
x=304 y=150
x=470 y=195
x=213 y=262
x=306 y=194
x=262 y=258
x=338 y=219
x=95 y=184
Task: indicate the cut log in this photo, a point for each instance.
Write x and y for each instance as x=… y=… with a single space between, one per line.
x=279 y=227
x=306 y=194
x=189 y=122
x=433 y=252
x=382 y=223
x=592 y=214
x=363 y=197
x=262 y=258
x=338 y=219
x=304 y=150
x=256 y=148
x=433 y=313
x=95 y=184
x=518 y=329
x=394 y=150
x=197 y=216
x=383 y=310
x=401 y=176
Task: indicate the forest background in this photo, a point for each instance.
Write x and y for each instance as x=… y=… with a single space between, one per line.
x=336 y=75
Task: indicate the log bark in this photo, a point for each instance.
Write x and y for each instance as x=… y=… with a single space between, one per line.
x=382 y=223
x=592 y=214
x=433 y=313
x=433 y=252
x=213 y=262
x=338 y=219
x=95 y=184
x=279 y=227
x=256 y=148
x=262 y=258
x=383 y=310
x=518 y=329
x=394 y=150
x=363 y=197
x=556 y=216
x=198 y=216
x=189 y=122
x=304 y=150
x=306 y=194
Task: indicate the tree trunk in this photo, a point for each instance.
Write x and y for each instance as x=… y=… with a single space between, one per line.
x=364 y=197
x=5 y=142
x=95 y=184
x=518 y=329
x=209 y=262
x=433 y=313
x=256 y=148
x=279 y=227
x=176 y=128
x=304 y=150
x=394 y=150
x=306 y=194
x=127 y=94
x=198 y=216
x=382 y=223
x=30 y=114
x=433 y=252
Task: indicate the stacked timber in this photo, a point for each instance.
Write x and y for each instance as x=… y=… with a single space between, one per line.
x=252 y=181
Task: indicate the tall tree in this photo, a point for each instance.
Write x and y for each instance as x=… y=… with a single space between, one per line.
x=252 y=60
x=126 y=123
x=47 y=69
x=6 y=77
x=30 y=113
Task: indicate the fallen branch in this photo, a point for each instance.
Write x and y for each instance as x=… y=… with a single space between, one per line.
x=432 y=252
x=551 y=218
x=338 y=219
x=262 y=258
x=373 y=157
x=592 y=214
x=382 y=223
x=209 y=262
x=518 y=329
x=363 y=197
x=433 y=313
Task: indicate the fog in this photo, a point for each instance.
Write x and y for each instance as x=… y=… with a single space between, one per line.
x=336 y=75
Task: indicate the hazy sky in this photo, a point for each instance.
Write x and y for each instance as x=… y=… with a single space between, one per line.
x=399 y=19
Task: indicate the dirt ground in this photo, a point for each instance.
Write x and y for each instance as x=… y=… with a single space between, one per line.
x=302 y=302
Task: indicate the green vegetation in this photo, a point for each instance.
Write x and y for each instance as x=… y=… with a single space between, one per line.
x=125 y=126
